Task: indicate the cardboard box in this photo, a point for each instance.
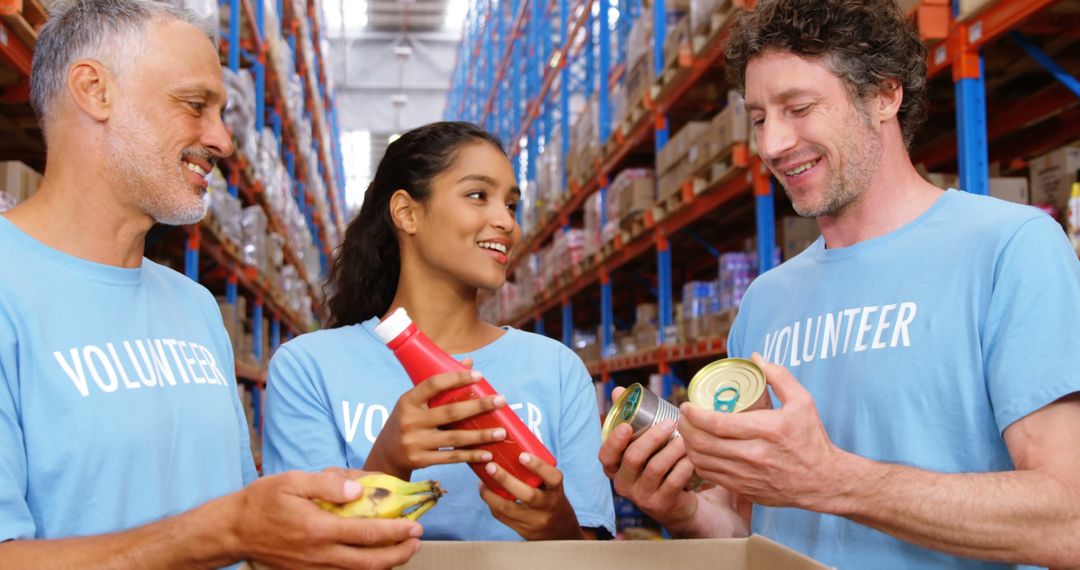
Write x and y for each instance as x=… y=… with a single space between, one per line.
x=677 y=40
x=18 y=180
x=796 y=234
x=753 y=553
x=731 y=125
x=1052 y=176
x=1013 y=189
x=678 y=148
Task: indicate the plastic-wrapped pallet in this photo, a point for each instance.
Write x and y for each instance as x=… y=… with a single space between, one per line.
x=253 y=248
x=207 y=11
x=698 y=302
x=7 y=201
x=592 y=231
x=240 y=113
x=737 y=270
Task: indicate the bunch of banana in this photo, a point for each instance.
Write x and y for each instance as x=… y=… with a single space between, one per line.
x=387 y=497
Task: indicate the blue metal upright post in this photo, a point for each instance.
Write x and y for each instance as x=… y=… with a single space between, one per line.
x=971 y=133
x=568 y=323
x=659 y=34
x=191 y=253
x=969 y=76
x=564 y=87
x=234 y=35
x=603 y=111
x=607 y=336
x=256 y=330
x=538 y=326
x=275 y=333
x=663 y=285
x=766 y=229
x=231 y=294
x=257 y=352
x=260 y=69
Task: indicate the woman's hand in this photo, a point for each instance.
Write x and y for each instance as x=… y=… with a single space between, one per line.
x=542 y=513
x=411 y=438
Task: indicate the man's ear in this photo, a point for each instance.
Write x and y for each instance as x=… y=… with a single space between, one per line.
x=403 y=211
x=91 y=88
x=889 y=100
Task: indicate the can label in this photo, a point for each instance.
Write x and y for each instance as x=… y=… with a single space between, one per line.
x=730 y=385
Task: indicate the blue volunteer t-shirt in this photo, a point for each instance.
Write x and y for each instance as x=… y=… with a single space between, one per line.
x=331 y=391
x=919 y=347
x=118 y=402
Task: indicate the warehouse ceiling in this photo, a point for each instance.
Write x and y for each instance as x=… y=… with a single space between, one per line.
x=391 y=62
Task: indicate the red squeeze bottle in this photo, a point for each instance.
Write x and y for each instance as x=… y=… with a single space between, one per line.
x=423 y=359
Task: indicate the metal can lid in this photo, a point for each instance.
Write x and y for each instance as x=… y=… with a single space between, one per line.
x=717 y=379
x=623 y=410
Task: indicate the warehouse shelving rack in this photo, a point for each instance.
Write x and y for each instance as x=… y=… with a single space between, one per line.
x=206 y=256
x=1018 y=127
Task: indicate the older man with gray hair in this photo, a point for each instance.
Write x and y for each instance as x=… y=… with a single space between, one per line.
x=122 y=440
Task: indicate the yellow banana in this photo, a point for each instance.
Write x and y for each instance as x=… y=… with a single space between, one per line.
x=387 y=497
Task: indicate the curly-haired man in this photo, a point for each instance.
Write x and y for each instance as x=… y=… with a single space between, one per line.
x=934 y=420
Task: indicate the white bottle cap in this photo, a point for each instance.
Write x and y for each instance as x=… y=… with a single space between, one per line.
x=393 y=325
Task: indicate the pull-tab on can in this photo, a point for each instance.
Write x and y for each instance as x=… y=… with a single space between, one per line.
x=731 y=385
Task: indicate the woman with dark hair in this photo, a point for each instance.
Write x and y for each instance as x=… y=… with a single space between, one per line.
x=437 y=225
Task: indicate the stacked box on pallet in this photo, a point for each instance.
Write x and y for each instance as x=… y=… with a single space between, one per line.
x=702 y=11
x=710 y=152
x=568 y=249
x=636 y=192
x=645 y=328
x=678 y=40
x=1051 y=178
x=699 y=302
x=549 y=178
x=584 y=144
x=593 y=230
x=672 y=162
x=796 y=234
x=17 y=182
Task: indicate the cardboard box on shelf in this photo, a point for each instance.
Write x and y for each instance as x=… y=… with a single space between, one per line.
x=638 y=81
x=671 y=183
x=1052 y=176
x=753 y=553
x=731 y=125
x=679 y=146
x=1011 y=188
x=18 y=180
x=677 y=39
x=636 y=192
x=796 y=234
x=969 y=8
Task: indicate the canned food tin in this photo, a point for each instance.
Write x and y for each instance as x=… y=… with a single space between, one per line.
x=642 y=409
x=730 y=385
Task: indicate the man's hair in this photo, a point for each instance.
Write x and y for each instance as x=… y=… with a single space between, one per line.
x=108 y=31
x=865 y=43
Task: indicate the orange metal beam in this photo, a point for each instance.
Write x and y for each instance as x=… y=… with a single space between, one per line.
x=968 y=37
x=13 y=51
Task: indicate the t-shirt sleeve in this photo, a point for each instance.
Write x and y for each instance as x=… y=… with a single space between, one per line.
x=298 y=429
x=16 y=522
x=584 y=482
x=1031 y=354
